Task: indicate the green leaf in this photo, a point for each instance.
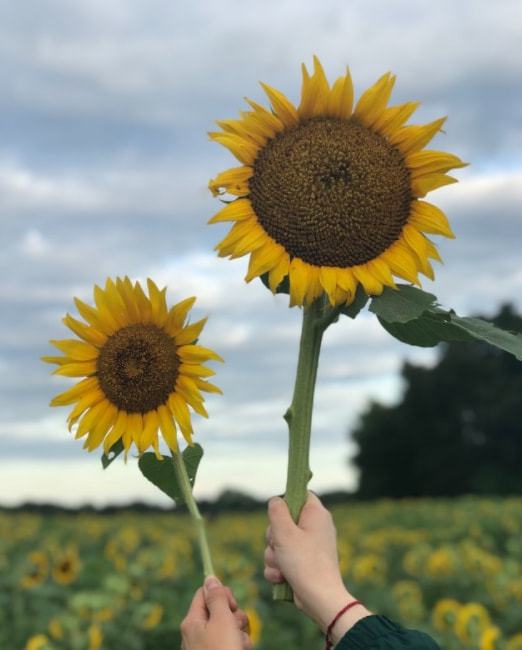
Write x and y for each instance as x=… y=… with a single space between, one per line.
x=436 y=325
x=429 y=330
x=114 y=452
x=402 y=304
x=192 y=457
x=482 y=330
x=282 y=287
x=360 y=300
x=163 y=474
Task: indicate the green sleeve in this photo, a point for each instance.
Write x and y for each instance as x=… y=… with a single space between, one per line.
x=379 y=633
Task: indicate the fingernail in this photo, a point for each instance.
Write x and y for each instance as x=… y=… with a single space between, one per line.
x=211 y=583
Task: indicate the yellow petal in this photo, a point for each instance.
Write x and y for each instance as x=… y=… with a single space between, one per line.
x=413 y=138
x=113 y=318
x=245 y=151
x=264 y=259
x=429 y=162
x=91 y=399
x=393 y=117
x=245 y=129
x=237 y=210
x=99 y=431
x=168 y=428
x=143 y=304
x=270 y=120
x=341 y=97
x=373 y=101
x=232 y=181
x=197 y=353
x=415 y=240
x=85 y=332
x=77 y=350
x=283 y=108
x=178 y=314
x=298 y=275
x=76 y=392
x=179 y=410
x=430 y=219
x=76 y=369
x=93 y=317
x=190 y=333
x=379 y=269
x=371 y=285
x=346 y=280
x=116 y=432
x=158 y=302
x=401 y=262
x=314 y=288
x=150 y=430
x=279 y=272
x=195 y=370
x=420 y=186
x=115 y=301
x=315 y=92
x=328 y=280
x=241 y=242
x=241 y=229
x=90 y=418
x=207 y=386
x=126 y=292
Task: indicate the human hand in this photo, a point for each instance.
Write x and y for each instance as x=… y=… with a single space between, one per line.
x=213 y=621
x=305 y=554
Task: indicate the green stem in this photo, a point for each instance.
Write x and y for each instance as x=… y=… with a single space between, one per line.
x=199 y=522
x=316 y=318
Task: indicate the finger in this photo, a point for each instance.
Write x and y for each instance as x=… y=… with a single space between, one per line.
x=216 y=598
x=273 y=575
x=281 y=522
x=314 y=515
x=270 y=558
x=231 y=600
x=246 y=641
x=241 y=619
x=269 y=536
x=197 y=610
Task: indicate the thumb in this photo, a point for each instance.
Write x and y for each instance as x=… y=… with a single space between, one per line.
x=281 y=522
x=216 y=597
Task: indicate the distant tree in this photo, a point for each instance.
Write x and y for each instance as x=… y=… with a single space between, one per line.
x=457 y=429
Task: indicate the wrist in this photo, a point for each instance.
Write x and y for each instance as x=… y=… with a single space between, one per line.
x=346 y=620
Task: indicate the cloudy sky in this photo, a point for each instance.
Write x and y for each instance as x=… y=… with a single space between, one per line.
x=104 y=162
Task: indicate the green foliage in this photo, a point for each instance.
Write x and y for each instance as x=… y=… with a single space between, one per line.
x=412 y=316
x=136 y=573
x=457 y=428
x=114 y=452
x=163 y=475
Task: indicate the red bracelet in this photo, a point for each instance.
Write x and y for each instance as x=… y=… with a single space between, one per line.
x=329 y=643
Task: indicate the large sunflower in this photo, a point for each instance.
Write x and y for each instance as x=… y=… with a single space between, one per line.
x=141 y=368
x=330 y=196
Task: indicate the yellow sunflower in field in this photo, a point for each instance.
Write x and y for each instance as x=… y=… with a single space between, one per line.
x=328 y=196
x=140 y=365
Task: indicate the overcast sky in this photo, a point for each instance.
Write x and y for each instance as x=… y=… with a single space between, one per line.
x=104 y=162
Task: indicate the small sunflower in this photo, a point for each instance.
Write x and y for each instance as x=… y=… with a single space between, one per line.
x=37 y=571
x=140 y=365
x=328 y=196
x=66 y=566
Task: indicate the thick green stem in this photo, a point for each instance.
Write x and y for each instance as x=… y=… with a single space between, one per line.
x=316 y=319
x=199 y=522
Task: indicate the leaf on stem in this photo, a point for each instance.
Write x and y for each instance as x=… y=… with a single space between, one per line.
x=162 y=472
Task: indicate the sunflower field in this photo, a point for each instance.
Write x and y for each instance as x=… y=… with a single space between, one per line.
x=452 y=568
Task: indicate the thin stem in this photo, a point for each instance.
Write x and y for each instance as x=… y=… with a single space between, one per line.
x=199 y=522
x=316 y=319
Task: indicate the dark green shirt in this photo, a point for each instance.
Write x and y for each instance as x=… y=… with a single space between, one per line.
x=379 y=633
